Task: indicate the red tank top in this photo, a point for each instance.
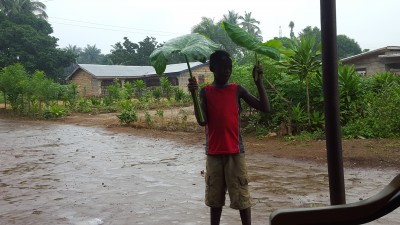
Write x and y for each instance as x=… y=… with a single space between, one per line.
x=222 y=129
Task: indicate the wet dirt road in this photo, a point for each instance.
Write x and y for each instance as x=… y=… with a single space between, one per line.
x=67 y=174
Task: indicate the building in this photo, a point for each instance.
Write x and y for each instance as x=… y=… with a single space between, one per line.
x=385 y=59
x=92 y=80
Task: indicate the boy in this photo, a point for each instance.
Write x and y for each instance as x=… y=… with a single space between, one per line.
x=225 y=163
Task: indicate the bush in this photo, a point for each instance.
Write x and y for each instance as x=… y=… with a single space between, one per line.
x=147 y=118
x=381 y=117
x=55 y=111
x=127 y=117
x=84 y=105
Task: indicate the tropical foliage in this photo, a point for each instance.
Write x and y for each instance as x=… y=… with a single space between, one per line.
x=14 y=7
x=26 y=39
x=193 y=47
x=31 y=62
x=304 y=62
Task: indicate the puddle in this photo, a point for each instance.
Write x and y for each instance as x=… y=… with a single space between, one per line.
x=66 y=174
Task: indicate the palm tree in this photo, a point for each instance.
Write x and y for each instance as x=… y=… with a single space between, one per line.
x=5 y=5
x=249 y=24
x=91 y=54
x=23 y=6
x=232 y=17
x=304 y=62
x=208 y=28
x=216 y=33
x=291 y=25
x=74 y=49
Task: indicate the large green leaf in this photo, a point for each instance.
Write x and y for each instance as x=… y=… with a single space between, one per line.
x=193 y=46
x=250 y=42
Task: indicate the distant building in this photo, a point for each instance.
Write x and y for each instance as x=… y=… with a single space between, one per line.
x=93 y=80
x=385 y=59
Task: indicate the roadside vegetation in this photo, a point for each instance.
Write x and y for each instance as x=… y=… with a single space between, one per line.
x=368 y=105
x=33 y=69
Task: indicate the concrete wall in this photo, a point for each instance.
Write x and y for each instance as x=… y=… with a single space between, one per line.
x=87 y=84
x=371 y=65
x=376 y=61
x=202 y=74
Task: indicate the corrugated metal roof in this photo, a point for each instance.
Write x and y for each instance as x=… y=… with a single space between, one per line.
x=118 y=71
x=376 y=51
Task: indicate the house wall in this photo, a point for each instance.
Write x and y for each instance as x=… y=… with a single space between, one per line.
x=378 y=61
x=202 y=74
x=87 y=84
x=90 y=86
x=371 y=66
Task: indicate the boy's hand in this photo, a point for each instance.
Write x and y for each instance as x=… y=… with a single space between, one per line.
x=192 y=85
x=258 y=73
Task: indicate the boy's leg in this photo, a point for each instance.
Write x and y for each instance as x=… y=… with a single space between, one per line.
x=215 y=187
x=245 y=216
x=237 y=182
x=215 y=213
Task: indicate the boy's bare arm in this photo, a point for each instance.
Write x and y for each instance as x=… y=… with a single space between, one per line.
x=261 y=104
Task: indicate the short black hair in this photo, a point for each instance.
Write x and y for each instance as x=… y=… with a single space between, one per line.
x=217 y=57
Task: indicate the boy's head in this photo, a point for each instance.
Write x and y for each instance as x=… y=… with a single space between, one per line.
x=221 y=66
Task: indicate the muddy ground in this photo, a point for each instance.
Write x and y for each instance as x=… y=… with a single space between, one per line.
x=86 y=169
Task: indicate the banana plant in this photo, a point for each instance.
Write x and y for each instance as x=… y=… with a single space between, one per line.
x=272 y=49
x=246 y=40
x=192 y=46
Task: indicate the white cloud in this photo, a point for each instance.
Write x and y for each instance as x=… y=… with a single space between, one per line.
x=369 y=22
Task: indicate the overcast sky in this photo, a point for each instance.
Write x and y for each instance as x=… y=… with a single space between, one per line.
x=371 y=23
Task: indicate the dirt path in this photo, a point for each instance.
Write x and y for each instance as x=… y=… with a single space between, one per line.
x=87 y=169
x=371 y=153
x=55 y=173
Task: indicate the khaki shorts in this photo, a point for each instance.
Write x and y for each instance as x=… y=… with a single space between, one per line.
x=227 y=173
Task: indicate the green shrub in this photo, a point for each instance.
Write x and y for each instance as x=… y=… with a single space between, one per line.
x=157 y=93
x=147 y=118
x=179 y=95
x=127 y=117
x=381 y=117
x=55 y=111
x=84 y=105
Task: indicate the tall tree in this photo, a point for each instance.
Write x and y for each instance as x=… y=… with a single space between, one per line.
x=232 y=17
x=146 y=47
x=124 y=53
x=23 y=6
x=291 y=26
x=249 y=24
x=136 y=54
x=311 y=33
x=90 y=55
x=26 y=39
x=216 y=33
x=208 y=28
x=74 y=49
x=347 y=47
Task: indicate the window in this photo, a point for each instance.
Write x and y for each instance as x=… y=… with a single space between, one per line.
x=362 y=71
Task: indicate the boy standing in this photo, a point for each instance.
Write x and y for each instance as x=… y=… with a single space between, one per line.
x=225 y=164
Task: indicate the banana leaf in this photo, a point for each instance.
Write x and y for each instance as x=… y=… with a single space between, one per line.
x=193 y=46
x=250 y=42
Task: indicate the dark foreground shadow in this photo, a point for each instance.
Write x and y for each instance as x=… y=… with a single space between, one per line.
x=348 y=214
